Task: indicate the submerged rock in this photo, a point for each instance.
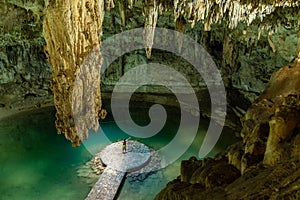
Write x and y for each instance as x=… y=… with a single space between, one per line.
x=91 y=171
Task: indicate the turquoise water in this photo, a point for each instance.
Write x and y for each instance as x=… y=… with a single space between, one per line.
x=148 y=188
x=36 y=163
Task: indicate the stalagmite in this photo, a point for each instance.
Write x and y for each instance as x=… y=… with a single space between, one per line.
x=72 y=29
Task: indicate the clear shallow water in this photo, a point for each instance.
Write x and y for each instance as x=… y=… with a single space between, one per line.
x=36 y=163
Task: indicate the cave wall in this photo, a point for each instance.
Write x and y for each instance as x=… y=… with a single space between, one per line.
x=24 y=72
x=245 y=55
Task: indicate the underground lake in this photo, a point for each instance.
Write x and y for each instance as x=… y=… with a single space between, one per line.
x=37 y=163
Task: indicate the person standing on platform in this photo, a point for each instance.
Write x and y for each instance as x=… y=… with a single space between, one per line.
x=124 y=146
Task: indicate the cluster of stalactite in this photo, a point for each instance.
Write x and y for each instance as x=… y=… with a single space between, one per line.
x=72 y=30
x=210 y=12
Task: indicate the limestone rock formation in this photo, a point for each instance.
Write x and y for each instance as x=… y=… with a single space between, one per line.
x=24 y=74
x=72 y=30
x=281 y=110
x=246 y=55
x=268 y=151
x=248 y=40
x=277 y=182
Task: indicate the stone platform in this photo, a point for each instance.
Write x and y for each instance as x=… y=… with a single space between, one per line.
x=118 y=164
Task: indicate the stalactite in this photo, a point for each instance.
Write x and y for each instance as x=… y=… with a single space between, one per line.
x=207 y=11
x=72 y=29
x=130 y=3
x=271 y=42
x=151 y=8
x=109 y=4
x=180 y=25
x=122 y=11
x=298 y=47
x=215 y=11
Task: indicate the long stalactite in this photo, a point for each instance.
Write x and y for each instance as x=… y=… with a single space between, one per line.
x=298 y=45
x=72 y=30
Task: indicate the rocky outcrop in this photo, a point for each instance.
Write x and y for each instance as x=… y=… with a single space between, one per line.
x=265 y=164
x=72 y=30
x=209 y=173
x=277 y=182
x=273 y=117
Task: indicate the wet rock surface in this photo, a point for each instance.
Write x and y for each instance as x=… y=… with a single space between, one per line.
x=91 y=171
x=24 y=74
x=265 y=163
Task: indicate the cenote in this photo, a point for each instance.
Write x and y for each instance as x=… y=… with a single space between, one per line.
x=37 y=163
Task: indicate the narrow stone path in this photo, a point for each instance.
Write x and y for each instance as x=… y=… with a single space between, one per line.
x=118 y=163
x=107 y=185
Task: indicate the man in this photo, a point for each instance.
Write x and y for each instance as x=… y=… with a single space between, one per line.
x=124 y=146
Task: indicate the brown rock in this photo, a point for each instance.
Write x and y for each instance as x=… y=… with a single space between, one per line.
x=188 y=167
x=267 y=157
x=272 y=119
x=282 y=126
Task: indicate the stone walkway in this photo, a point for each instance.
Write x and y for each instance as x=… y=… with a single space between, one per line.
x=107 y=185
x=118 y=163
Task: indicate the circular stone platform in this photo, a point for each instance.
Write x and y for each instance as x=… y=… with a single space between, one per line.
x=136 y=157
